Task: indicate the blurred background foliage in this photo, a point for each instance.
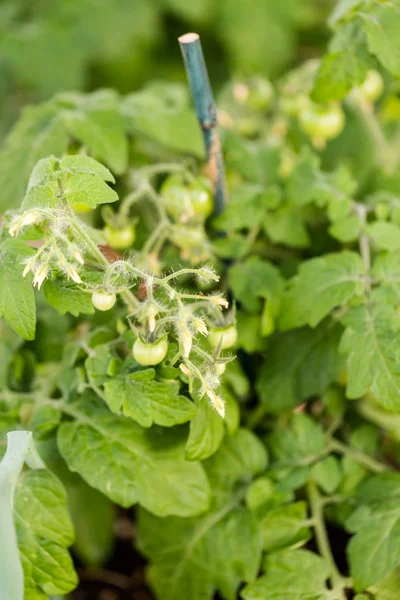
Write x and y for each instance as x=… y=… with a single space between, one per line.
x=48 y=46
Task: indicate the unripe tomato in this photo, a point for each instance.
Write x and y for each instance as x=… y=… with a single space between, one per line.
x=176 y=197
x=226 y=335
x=201 y=197
x=324 y=122
x=292 y=106
x=372 y=87
x=188 y=237
x=150 y=354
x=119 y=239
x=260 y=93
x=103 y=301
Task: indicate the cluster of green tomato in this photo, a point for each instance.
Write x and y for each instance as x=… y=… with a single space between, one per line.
x=150 y=354
x=244 y=102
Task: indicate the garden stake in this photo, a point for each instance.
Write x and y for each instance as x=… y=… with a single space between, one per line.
x=206 y=111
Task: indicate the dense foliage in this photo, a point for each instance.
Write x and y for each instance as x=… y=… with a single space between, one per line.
x=235 y=377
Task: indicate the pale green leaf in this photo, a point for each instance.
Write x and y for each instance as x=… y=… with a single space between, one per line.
x=381 y=26
x=388 y=588
x=386 y=268
x=322 y=284
x=130 y=464
x=86 y=164
x=386 y=236
x=285 y=226
x=88 y=189
x=299 y=444
x=256 y=279
x=65 y=296
x=371 y=343
x=39 y=133
x=299 y=364
x=139 y=396
x=327 y=474
x=206 y=432
x=290 y=575
x=17 y=300
x=284 y=526
x=101 y=130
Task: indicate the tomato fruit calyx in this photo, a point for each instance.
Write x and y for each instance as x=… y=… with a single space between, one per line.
x=150 y=354
x=103 y=301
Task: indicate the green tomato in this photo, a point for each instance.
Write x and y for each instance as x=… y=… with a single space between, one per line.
x=293 y=105
x=120 y=239
x=325 y=122
x=260 y=93
x=150 y=354
x=372 y=87
x=201 y=197
x=226 y=335
x=188 y=237
x=176 y=197
x=103 y=301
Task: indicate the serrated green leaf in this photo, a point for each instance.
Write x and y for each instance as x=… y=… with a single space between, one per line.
x=247 y=206
x=193 y=558
x=285 y=226
x=345 y=66
x=299 y=364
x=43 y=169
x=256 y=279
x=17 y=300
x=87 y=189
x=130 y=464
x=86 y=164
x=290 y=575
x=101 y=130
x=39 y=133
x=206 y=432
x=346 y=230
x=321 y=285
x=386 y=236
x=298 y=445
x=386 y=268
x=284 y=526
x=140 y=397
x=381 y=24
x=327 y=474
x=44 y=532
x=387 y=589
x=371 y=343
x=374 y=550
x=65 y=297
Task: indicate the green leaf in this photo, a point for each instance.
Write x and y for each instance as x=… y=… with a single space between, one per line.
x=44 y=532
x=388 y=588
x=218 y=550
x=345 y=65
x=43 y=169
x=321 y=285
x=299 y=364
x=346 y=229
x=65 y=297
x=247 y=206
x=86 y=164
x=385 y=235
x=381 y=24
x=130 y=464
x=298 y=445
x=327 y=474
x=374 y=550
x=284 y=526
x=93 y=516
x=206 y=432
x=285 y=226
x=139 y=396
x=39 y=133
x=371 y=343
x=101 y=130
x=386 y=268
x=290 y=575
x=155 y=113
x=256 y=279
x=17 y=300
x=87 y=189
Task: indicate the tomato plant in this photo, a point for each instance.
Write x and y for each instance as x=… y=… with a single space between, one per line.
x=232 y=374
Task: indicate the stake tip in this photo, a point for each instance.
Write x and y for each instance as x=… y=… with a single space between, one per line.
x=188 y=38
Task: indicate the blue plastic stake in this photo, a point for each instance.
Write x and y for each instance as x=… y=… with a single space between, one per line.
x=206 y=111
